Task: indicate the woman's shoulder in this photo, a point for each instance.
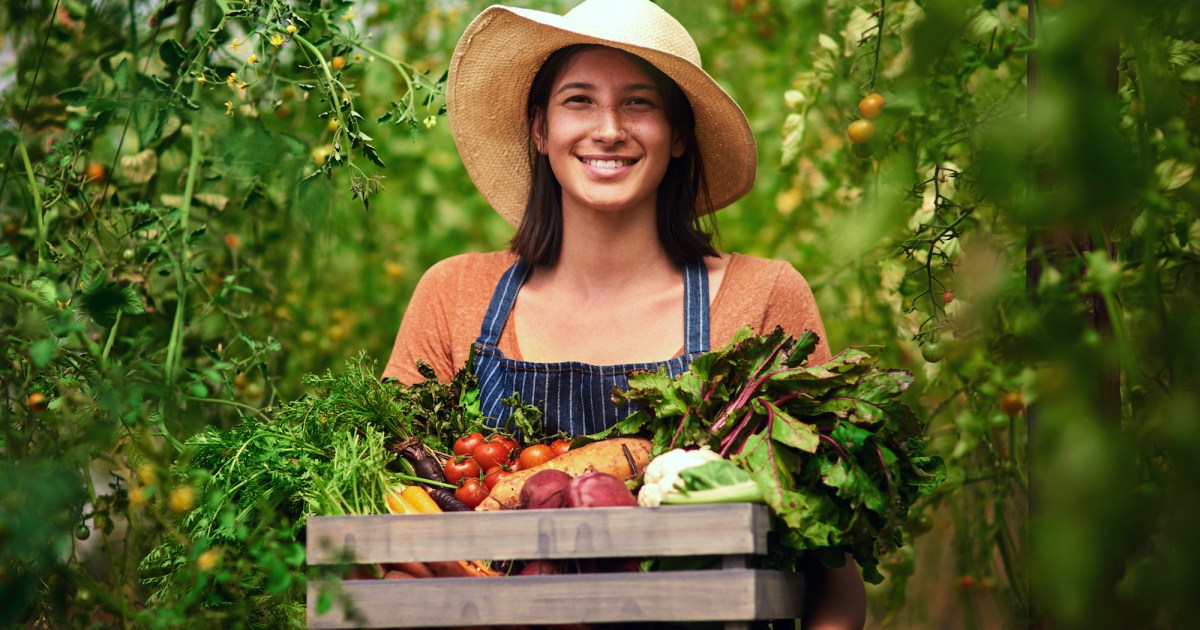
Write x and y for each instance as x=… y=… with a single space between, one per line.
x=469 y=267
x=762 y=276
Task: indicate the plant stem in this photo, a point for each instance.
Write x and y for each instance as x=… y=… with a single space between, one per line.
x=174 y=343
x=37 y=201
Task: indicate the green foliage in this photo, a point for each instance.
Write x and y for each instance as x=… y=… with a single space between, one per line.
x=836 y=455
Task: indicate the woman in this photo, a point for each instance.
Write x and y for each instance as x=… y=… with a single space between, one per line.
x=600 y=138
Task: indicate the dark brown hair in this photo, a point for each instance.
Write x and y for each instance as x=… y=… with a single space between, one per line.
x=682 y=194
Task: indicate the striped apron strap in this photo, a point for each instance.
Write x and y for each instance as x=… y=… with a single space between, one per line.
x=502 y=302
x=695 y=307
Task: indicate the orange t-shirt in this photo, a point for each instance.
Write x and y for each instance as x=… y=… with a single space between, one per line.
x=447 y=309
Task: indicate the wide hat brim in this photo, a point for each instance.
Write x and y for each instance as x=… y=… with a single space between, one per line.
x=503 y=48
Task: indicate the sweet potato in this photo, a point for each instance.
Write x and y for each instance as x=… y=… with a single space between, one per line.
x=545 y=489
x=461 y=568
x=598 y=489
x=623 y=458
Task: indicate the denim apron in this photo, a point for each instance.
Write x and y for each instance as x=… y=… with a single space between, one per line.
x=574 y=397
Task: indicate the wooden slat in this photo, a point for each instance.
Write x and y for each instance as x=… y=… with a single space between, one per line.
x=735 y=594
x=677 y=530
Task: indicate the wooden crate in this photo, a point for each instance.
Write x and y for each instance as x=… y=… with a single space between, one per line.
x=734 y=593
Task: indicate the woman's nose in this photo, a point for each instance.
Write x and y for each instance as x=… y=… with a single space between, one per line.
x=609 y=126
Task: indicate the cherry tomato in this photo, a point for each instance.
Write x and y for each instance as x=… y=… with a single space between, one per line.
x=466 y=445
x=947 y=297
x=471 y=493
x=338 y=62
x=459 y=468
x=933 y=352
x=95 y=172
x=871 y=106
x=38 y=402
x=560 y=446
x=1012 y=403
x=535 y=455
x=495 y=475
x=508 y=443
x=861 y=131
x=490 y=454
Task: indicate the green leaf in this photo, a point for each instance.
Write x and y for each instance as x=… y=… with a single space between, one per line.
x=41 y=352
x=172 y=54
x=75 y=96
x=133 y=302
x=792 y=432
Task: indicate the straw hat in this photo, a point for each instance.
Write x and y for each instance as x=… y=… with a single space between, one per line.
x=501 y=51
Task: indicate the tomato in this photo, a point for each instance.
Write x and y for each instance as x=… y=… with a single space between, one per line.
x=338 y=62
x=95 y=172
x=459 y=468
x=560 y=446
x=37 y=401
x=471 y=493
x=495 y=475
x=871 y=106
x=861 y=131
x=947 y=297
x=466 y=445
x=1012 y=403
x=507 y=442
x=535 y=455
x=932 y=351
x=490 y=454
x=966 y=582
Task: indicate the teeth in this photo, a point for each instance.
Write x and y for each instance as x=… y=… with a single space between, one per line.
x=608 y=163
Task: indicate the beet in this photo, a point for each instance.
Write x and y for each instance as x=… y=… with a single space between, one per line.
x=545 y=489
x=598 y=489
x=542 y=567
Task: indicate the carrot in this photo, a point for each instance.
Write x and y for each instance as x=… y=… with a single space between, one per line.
x=623 y=458
x=419 y=499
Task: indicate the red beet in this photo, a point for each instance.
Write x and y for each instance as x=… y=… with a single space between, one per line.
x=545 y=489
x=598 y=489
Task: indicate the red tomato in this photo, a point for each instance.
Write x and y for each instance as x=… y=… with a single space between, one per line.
x=471 y=493
x=490 y=454
x=507 y=442
x=495 y=475
x=459 y=468
x=466 y=445
x=535 y=455
x=560 y=446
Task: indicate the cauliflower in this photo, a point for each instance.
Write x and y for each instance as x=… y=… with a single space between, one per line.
x=662 y=475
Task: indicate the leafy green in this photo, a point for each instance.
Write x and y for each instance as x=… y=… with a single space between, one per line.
x=719 y=481
x=834 y=452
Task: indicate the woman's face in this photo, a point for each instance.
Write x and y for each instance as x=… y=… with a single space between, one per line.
x=606 y=134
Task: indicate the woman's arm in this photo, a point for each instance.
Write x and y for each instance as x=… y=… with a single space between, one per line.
x=835 y=599
x=426 y=330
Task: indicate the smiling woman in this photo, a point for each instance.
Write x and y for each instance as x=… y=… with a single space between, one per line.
x=600 y=138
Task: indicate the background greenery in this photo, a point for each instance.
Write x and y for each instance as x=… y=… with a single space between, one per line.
x=1022 y=233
